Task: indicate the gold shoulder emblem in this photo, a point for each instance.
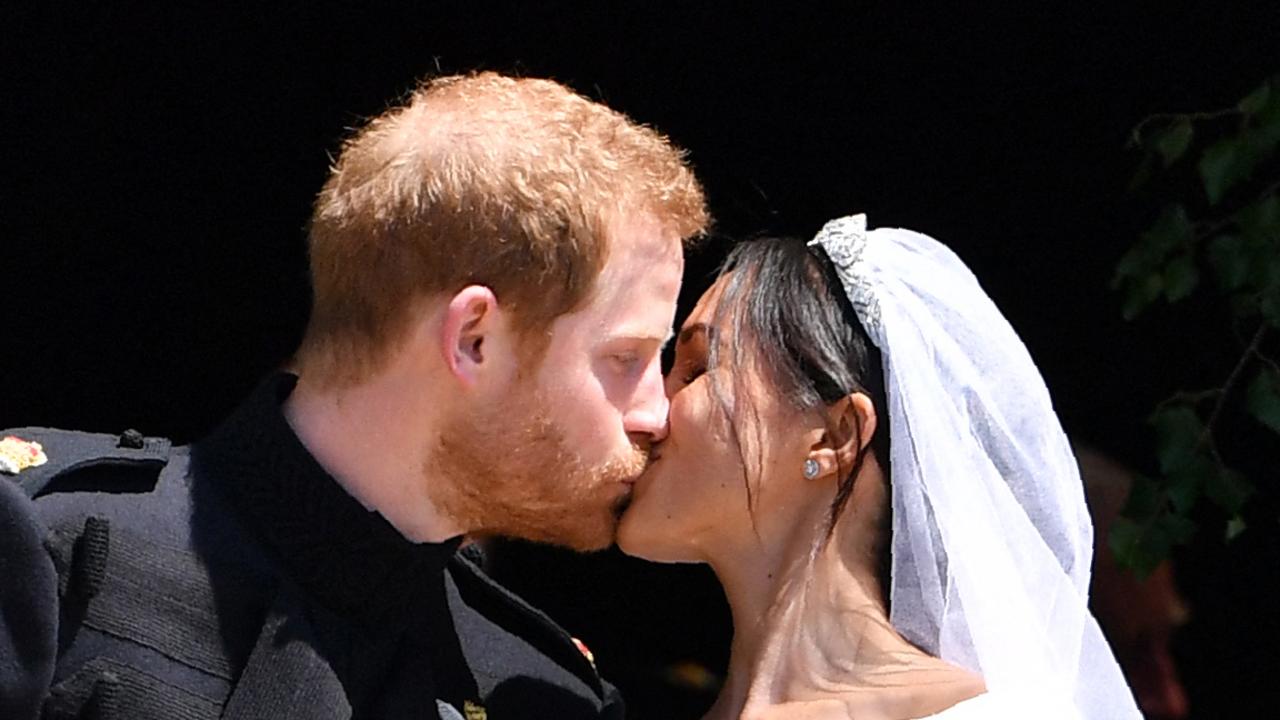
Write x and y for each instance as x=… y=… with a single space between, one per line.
x=17 y=455
x=586 y=651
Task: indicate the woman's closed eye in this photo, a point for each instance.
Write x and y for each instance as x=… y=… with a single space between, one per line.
x=691 y=355
x=689 y=374
x=688 y=367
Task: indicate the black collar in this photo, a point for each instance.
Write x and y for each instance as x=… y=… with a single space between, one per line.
x=350 y=559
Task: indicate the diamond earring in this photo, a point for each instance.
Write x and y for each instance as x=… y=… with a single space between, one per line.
x=811 y=469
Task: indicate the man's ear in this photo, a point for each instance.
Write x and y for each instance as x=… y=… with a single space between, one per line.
x=471 y=317
x=851 y=423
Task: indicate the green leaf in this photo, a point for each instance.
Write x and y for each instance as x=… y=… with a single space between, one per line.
x=1223 y=165
x=1172 y=141
x=1180 y=277
x=1262 y=119
x=1142 y=292
x=1172 y=229
x=1143 y=174
x=1229 y=260
x=1228 y=490
x=1262 y=267
x=1260 y=219
x=1127 y=542
x=1262 y=399
x=1140 y=272
x=1178 y=431
x=1269 y=304
x=1136 y=261
x=1144 y=501
x=1184 y=488
x=1141 y=546
x=1177 y=530
x=1122 y=538
x=1261 y=142
x=1235 y=526
x=1267 y=118
x=1256 y=101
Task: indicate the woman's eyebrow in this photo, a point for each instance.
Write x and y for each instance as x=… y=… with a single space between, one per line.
x=687 y=333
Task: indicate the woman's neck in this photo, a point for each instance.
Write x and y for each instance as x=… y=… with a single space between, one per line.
x=812 y=636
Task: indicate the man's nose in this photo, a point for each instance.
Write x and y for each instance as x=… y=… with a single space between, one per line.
x=649 y=407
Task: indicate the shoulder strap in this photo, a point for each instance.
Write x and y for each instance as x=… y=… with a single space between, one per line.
x=68 y=451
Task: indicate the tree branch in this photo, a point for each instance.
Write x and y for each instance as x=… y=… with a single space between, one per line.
x=1267 y=361
x=1209 y=229
x=1189 y=398
x=1135 y=135
x=1232 y=380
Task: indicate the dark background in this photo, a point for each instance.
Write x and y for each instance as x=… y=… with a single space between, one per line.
x=159 y=160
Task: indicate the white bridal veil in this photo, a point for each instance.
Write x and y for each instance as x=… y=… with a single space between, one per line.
x=991 y=538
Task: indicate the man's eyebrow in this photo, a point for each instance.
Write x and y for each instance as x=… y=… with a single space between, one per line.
x=641 y=335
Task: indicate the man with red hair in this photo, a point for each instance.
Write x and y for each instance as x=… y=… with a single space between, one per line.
x=495 y=265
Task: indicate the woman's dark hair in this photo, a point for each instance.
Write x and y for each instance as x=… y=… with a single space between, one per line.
x=789 y=316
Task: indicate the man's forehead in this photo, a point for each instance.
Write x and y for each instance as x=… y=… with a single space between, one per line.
x=635 y=294
x=648 y=265
x=641 y=233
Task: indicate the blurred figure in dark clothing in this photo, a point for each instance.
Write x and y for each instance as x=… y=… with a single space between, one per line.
x=1139 y=617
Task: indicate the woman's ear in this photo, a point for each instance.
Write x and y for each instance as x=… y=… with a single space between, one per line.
x=470 y=319
x=851 y=423
x=861 y=412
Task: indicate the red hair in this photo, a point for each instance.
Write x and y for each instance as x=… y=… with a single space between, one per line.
x=479 y=179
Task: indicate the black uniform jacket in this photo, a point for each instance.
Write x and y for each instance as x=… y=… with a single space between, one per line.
x=234 y=578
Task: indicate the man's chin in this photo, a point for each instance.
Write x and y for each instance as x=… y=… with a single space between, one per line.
x=586 y=543
x=602 y=531
x=582 y=536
